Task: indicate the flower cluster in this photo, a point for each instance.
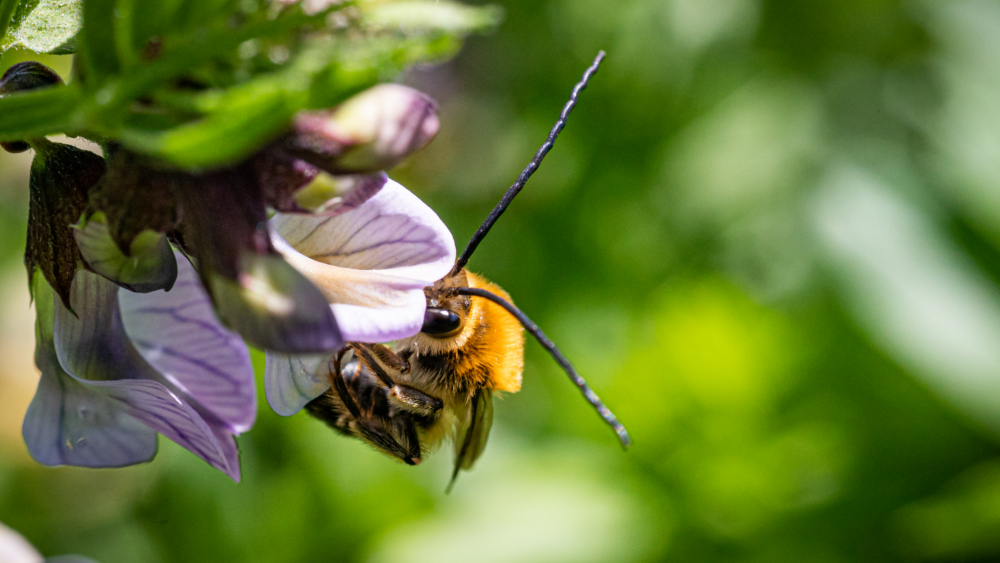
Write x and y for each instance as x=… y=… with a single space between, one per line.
x=148 y=279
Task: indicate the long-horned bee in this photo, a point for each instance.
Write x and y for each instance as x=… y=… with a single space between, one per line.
x=439 y=383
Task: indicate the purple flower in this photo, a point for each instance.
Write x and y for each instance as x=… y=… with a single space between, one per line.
x=133 y=366
x=372 y=264
x=154 y=266
x=327 y=164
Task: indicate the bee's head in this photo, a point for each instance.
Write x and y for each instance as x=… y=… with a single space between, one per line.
x=446 y=312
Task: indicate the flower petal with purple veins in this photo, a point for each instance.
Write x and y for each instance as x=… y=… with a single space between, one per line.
x=177 y=332
x=290 y=381
x=394 y=231
x=150 y=267
x=153 y=404
x=371 y=263
x=71 y=423
x=95 y=350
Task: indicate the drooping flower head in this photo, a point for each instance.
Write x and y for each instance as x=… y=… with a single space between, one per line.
x=140 y=339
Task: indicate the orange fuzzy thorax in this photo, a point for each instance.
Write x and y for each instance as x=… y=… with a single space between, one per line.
x=497 y=339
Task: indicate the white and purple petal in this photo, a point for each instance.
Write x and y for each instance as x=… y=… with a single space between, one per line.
x=96 y=351
x=70 y=423
x=371 y=263
x=177 y=332
x=393 y=231
x=291 y=381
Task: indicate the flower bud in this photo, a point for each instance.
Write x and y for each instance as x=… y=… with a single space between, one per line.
x=21 y=77
x=374 y=130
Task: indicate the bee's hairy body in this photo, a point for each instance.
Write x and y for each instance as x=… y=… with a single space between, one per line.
x=460 y=369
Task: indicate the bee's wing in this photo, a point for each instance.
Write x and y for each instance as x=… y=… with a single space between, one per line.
x=470 y=444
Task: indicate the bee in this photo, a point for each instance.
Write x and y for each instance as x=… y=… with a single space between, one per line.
x=440 y=383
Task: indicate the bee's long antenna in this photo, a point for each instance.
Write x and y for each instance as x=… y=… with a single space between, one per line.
x=531 y=327
x=528 y=170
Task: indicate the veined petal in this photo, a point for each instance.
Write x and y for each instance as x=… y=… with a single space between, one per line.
x=393 y=232
x=290 y=381
x=373 y=324
x=150 y=267
x=153 y=404
x=369 y=305
x=70 y=422
x=95 y=349
x=177 y=332
x=371 y=263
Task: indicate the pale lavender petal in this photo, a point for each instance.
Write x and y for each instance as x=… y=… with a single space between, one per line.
x=163 y=411
x=369 y=305
x=177 y=332
x=393 y=232
x=275 y=308
x=291 y=381
x=95 y=349
x=70 y=422
x=372 y=263
x=150 y=267
x=374 y=324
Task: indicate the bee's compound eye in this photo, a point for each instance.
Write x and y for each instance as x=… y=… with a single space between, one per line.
x=440 y=321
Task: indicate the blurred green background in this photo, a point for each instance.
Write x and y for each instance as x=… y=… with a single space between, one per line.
x=769 y=238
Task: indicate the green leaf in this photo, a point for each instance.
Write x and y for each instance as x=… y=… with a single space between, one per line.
x=7 y=9
x=219 y=139
x=97 y=41
x=38 y=113
x=43 y=26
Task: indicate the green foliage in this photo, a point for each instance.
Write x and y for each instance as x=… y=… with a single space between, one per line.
x=43 y=26
x=203 y=84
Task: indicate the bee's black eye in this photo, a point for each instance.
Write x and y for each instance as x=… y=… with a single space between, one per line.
x=440 y=321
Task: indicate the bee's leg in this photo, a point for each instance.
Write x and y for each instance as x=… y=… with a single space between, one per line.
x=370 y=420
x=382 y=360
x=340 y=386
x=384 y=356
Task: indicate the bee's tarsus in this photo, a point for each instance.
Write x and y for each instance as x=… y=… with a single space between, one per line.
x=522 y=179
x=368 y=356
x=340 y=386
x=577 y=380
